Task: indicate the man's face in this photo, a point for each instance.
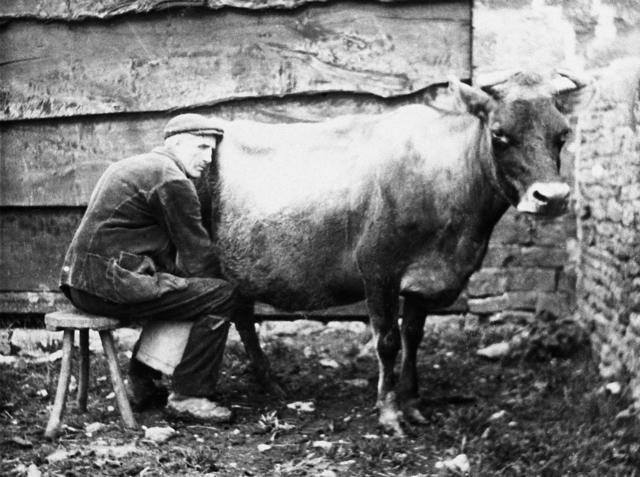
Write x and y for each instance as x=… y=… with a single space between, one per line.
x=195 y=153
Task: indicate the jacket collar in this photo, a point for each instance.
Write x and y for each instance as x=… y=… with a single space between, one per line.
x=162 y=150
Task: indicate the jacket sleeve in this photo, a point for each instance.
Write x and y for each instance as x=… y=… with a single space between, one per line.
x=178 y=207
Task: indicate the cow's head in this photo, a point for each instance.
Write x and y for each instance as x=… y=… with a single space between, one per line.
x=526 y=132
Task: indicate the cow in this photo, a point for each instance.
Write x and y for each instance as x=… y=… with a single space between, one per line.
x=311 y=215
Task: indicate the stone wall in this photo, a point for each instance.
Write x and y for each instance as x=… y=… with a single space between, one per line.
x=608 y=195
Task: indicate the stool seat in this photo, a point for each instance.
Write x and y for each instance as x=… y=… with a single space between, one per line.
x=68 y=321
x=76 y=319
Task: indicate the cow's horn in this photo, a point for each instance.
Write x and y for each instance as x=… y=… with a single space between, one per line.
x=567 y=81
x=487 y=80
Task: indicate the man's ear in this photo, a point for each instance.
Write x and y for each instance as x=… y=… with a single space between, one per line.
x=471 y=100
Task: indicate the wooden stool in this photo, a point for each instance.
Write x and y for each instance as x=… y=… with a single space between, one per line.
x=68 y=321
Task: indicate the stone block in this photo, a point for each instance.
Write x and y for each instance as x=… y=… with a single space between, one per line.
x=522 y=300
x=614 y=210
x=488 y=281
x=630 y=192
x=551 y=232
x=533 y=256
x=495 y=281
x=5 y=341
x=437 y=323
x=513 y=228
x=557 y=304
x=513 y=316
x=566 y=281
x=538 y=279
x=487 y=306
x=629 y=216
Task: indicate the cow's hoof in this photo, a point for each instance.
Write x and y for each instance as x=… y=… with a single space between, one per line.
x=414 y=415
x=391 y=418
x=390 y=422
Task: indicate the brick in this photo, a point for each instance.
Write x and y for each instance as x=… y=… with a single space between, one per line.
x=614 y=210
x=495 y=281
x=538 y=279
x=629 y=216
x=522 y=300
x=488 y=281
x=5 y=341
x=486 y=306
x=557 y=304
x=513 y=316
x=566 y=281
x=630 y=192
x=534 y=256
x=551 y=233
x=513 y=228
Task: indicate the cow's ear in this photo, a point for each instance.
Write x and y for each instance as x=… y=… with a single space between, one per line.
x=573 y=92
x=471 y=100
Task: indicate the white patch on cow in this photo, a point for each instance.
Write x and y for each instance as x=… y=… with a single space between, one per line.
x=276 y=169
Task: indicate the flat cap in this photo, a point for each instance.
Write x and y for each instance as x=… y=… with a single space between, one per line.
x=193 y=124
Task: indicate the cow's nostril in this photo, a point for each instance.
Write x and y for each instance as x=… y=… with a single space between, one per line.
x=539 y=196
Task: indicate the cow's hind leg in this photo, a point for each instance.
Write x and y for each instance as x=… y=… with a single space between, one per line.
x=245 y=324
x=412 y=332
x=382 y=304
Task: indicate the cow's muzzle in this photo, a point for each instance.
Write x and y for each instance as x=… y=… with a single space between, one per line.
x=545 y=198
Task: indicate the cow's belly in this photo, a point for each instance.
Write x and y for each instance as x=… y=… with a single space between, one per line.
x=293 y=262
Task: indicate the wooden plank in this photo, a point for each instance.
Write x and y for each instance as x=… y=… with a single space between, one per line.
x=31 y=302
x=57 y=162
x=183 y=59
x=82 y=9
x=33 y=242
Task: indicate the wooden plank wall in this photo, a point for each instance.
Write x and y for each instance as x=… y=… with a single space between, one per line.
x=85 y=83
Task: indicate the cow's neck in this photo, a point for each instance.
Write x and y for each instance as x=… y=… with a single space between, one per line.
x=478 y=192
x=479 y=202
x=488 y=196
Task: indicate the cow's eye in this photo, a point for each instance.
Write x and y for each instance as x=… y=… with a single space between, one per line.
x=500 y=138
x=562 y=138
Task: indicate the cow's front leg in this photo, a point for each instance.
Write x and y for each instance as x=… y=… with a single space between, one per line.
x=382 y=305
x=245 y=324
x=412 y=332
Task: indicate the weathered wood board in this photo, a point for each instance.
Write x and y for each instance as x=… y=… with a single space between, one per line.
x=57 y=162
x=182 y=59
x=83 y=9
x=32 y=246
x=98 y=80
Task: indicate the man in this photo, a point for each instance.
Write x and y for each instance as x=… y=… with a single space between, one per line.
x=141 y=252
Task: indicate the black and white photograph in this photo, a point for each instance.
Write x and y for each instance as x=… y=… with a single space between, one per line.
x=323 y=238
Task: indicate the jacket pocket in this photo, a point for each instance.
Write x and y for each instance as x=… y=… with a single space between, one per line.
x=133 y=279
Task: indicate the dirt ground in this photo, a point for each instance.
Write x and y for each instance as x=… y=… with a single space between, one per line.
x=537 y=414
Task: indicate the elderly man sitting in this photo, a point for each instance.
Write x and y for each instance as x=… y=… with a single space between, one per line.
x=142 y=252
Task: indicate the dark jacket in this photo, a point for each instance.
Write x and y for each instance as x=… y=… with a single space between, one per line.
x=141 y=232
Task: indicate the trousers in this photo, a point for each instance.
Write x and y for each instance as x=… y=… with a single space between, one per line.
x=208 y=302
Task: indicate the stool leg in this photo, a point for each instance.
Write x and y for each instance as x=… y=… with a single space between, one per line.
x=83 y=375
x=116 y=380
x=55 y=419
